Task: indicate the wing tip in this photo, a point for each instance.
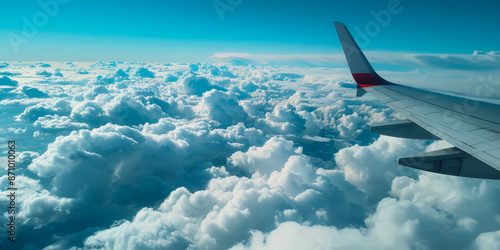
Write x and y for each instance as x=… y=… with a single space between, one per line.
x=360 y=68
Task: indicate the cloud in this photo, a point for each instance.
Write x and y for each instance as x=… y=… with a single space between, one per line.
x=36 y=208
x=456 y=197
x=118 y=76
x=88 y=112
x=244 y=59
x=121 y=74
x=95 y=91
x=44 y=73
x=430 y=71
x=55 y=122
x=43 y=208
x=101 y=80
x=131 y=110
x=487 y=240
x=266 y=159
x=395 y=224
x=227 y=156
x=41 y=65
x=104 y=65
x=143 y=72
x=284 y=118
x=291 y=235
x=222 y=214
x=216 y=70
x=223 y=107
x=114 y=152
x=372 y=171
x=196 y=85
x=476 y=61
x=32 y=113
x=6 y=81
x=33 y=92
x=103 y=174
x=171 y=78
x=25 y=158
x=193 y=67
x=6 y=73
x=100 y=106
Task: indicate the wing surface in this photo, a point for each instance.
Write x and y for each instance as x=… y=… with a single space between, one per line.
x=472 y=126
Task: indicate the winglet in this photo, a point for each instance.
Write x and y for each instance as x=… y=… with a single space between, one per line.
x=361 y=70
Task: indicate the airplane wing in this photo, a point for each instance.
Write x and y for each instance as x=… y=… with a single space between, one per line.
x=472 y=126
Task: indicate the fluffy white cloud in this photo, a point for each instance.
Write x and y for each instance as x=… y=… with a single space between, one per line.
x=223 y=107
x=395 y=224
x=6 y=81
x=489 y=240
x=7 y=73
x=373 y=168
x=244 y=59
x=55 y=122
x=457 y=197
x=196 y=85
x=266 y=159
x=99 y=106
x=44 y=73
x=119 y=155
x=143 y=72
x=99 y=175
x=171 y=78
x=32 y=113
x=104 y=65
x=291 y=235
x=223 y=213
x=130 y=110
x=41 y=65
x=33 y=92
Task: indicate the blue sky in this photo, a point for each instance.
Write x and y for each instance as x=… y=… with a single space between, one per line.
x=189 y=30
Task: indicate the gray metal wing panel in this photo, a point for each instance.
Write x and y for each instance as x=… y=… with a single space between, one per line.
x=473 y=126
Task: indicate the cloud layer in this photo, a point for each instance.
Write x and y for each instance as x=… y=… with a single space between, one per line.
x=214 y=156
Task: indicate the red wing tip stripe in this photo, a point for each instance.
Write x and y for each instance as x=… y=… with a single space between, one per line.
x=366 y=85
x=368 y=80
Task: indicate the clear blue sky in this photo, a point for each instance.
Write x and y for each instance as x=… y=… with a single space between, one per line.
x=192 y=30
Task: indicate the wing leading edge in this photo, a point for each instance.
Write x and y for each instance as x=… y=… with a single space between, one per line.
x=473 y=127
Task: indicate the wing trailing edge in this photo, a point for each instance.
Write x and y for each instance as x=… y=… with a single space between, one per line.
x=450 y=161
x=403 y=129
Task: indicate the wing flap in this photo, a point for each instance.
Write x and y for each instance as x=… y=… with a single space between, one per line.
x=466 y=132
x=450 y=161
